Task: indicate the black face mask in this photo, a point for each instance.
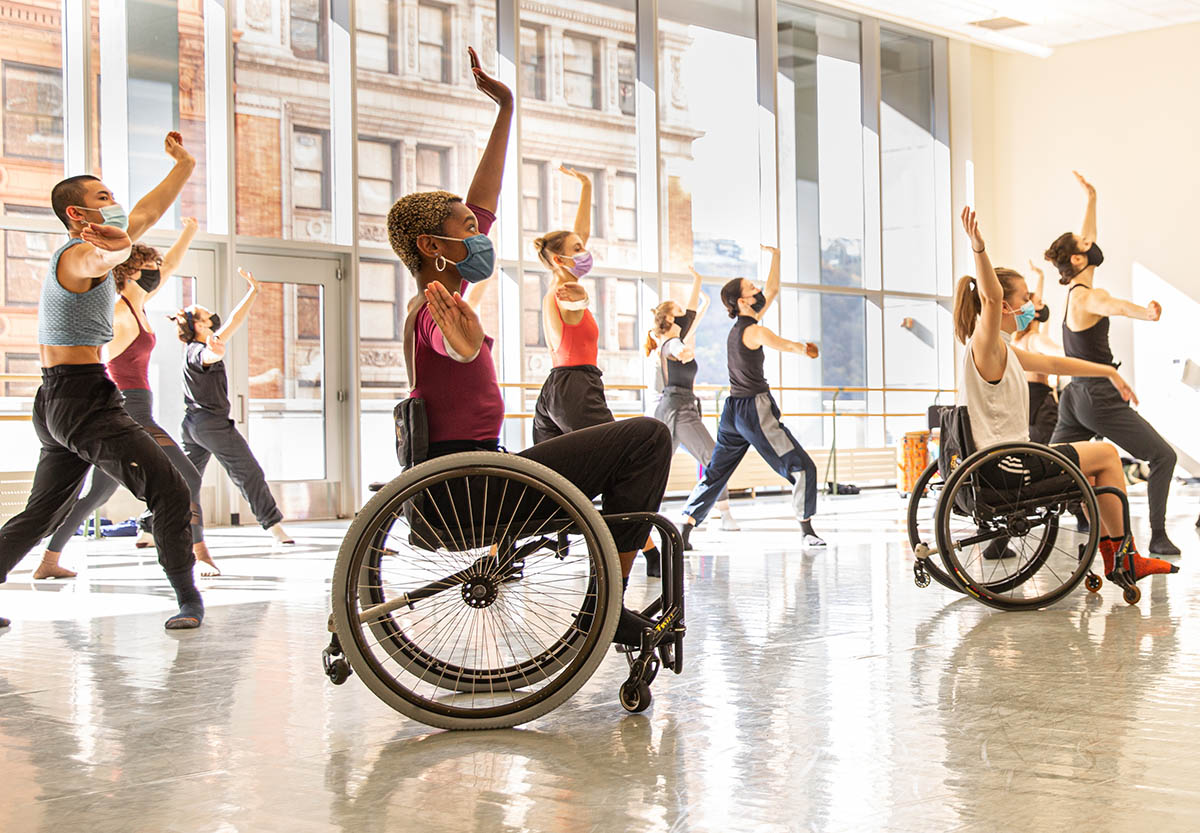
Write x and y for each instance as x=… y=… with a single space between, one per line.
x=150 y=279
x=1094 y=255
x=1043 y=314
x=216 y=322
x=760 y=301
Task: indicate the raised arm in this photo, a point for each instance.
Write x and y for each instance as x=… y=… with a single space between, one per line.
x=174 y=256
x=103 y=248
x=1100 y=302
x=697 y=290
x=485 y=187
x=771 y=290
x=229 y=327
x=1038 y=297
x=155 y=204
x=583 y=214
x=987 y=348
x=1088 y=232
x=1066 y=366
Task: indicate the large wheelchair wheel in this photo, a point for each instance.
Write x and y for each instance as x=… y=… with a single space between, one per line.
x=923 y=521
x=981 y=504
x=476 y=591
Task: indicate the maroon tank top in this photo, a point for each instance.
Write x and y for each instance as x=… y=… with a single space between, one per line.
x=130 y=370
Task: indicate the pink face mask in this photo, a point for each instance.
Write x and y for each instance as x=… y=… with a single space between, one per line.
x=581 y=264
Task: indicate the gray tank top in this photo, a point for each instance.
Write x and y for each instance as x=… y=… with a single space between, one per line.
x=69 y=319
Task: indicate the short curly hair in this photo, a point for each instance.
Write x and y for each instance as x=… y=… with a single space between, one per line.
x=1060 y=252
x=130 y=269
x=413 y=215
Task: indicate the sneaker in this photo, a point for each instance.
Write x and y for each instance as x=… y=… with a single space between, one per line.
x=729 y=523
x=813 y=542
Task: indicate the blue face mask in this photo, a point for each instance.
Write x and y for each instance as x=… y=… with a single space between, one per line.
x=480 y=261
x=1025 y=315
x=110 y=215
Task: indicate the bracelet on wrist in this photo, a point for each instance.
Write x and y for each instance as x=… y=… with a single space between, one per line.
x=979 y=251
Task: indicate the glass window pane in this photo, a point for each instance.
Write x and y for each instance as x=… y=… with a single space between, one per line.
x=375 y=159
x=627 y=79
x=373 y=52
x=374 y=15
x=377 y=281
x=306 y=189
x=533 y=62
x=709 y=99
x=908 y=170
x=375 y=196
x=308 y=151
x=33 y=116
x=432 y=170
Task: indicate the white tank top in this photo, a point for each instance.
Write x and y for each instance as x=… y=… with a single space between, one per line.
x=999 y=412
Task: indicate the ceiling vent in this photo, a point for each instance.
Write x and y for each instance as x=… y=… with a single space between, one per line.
x=998 y=24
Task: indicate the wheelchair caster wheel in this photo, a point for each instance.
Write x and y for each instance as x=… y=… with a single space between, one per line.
x=337 y=669
x=1093 y=583
x=635 y=697
x=1132 y=594
x=921 y=576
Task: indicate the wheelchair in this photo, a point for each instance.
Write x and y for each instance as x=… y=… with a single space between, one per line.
x=1005 y=546
x=481 y=590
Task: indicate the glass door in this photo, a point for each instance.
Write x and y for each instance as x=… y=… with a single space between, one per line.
x=286 y=389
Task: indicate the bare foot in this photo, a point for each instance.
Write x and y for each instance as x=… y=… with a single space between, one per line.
x=50 y=569
x=281 y=537
x=208 y=567
x=144 y=540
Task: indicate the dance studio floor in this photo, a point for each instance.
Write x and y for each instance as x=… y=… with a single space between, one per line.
x=822 y=693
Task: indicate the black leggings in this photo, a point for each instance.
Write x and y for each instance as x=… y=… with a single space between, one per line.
x=140 y=405
x=81 y=421
x=1091 y=408
x=206 y=435
x=625 y=463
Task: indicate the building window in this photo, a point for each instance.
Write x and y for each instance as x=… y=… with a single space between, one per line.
x=533 y=62
x=26 y=258
x=433 y=32
x=535 y=289
x=381 y=304
x=581 y=71
x=310 y=168
x=533 y=196
x=376 y=176
x=625 y=206
x=627 y=79
x=376 y=22
x=433 y=168
x=33 y=112
x=627 y=314
x=570 y=199
x=308 y=311
x=309 y=20
x=21 y=363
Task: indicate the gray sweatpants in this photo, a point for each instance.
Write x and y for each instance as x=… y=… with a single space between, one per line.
x=206 y=435
x=679 y=409
x=139 y=404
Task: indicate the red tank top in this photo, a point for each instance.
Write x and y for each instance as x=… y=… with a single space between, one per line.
x=130 y=370
x=580 y=342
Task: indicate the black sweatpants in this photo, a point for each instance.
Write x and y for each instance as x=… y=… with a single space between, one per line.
x=81 y=421
x=206 y=435
x=571 y=398
x=1043 y=413
x=1090 y=408
x=623 y=463
x=140 y=405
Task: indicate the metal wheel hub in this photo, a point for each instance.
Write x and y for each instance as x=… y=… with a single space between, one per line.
x=479 y=592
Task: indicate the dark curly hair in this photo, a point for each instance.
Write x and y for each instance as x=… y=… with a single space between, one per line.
x=1059 y=254
x=131 y=268
x=413 y=215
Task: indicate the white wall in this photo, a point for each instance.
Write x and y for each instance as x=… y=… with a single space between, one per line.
x=1123 y=111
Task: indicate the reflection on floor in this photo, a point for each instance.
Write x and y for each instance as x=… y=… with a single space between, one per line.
x=822 y=692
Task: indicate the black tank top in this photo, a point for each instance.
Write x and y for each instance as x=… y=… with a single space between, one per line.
x=1090 y=344
x=746 y=377
x=675 y=373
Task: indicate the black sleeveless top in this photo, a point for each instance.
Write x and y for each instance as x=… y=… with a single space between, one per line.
x=678 y=374
x=746 y=377
x=1090 y=344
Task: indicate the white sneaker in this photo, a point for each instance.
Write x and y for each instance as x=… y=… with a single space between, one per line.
x=813 y=542
x=729 y=523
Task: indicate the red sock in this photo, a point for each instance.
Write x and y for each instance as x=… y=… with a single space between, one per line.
x=1142 y=567
x=1108 y=551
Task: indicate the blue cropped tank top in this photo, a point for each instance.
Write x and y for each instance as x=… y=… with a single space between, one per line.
x=66 y=318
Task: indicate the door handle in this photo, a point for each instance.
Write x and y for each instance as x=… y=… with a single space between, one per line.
x=242 y=408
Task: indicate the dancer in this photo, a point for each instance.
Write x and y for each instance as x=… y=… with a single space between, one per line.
x=993 y=387
x=207 y=429
x=1043 y=402
x=572 y=397
x=1088 y=408
x=674 y=336
x=440 y=238
x=751 y=416
x=138 y=280
x=78 y=413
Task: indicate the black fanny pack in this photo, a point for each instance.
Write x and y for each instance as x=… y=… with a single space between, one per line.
x=412 y=432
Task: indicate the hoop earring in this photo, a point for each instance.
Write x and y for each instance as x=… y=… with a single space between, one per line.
x=440 y=263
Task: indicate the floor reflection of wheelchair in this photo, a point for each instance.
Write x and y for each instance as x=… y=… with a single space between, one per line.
x=481 y=590
x=959 y=519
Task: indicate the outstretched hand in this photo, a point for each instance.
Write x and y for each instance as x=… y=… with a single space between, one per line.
x=971 y=226
x=248 y=276
x=489 y=86
x=1123 y=388
x=1087 y=186
x=460 y=325
x=1155 y=310
x=173 y=145
x=811 y=350
x=106 y=238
